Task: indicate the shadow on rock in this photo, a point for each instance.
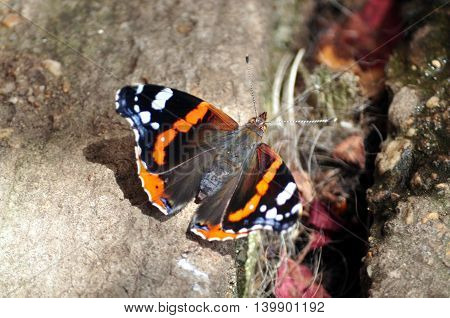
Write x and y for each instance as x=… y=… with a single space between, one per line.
x=118 y=155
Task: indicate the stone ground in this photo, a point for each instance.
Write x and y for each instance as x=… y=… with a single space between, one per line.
x=409 y=252
x=73 y=219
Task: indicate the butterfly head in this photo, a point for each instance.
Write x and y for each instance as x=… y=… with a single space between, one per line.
x=258 y=124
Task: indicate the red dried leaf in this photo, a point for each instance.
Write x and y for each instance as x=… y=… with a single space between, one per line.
x=351 y=150
x=297 y=281
x=363 y=43
x=318 y=240
x=321 y=218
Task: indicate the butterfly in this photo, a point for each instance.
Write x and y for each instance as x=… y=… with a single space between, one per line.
x=186 y=148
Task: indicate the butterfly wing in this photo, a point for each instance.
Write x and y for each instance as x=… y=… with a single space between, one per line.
x=172 y=129
x=264 y=196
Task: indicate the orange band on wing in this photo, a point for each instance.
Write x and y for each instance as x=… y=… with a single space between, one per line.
x=197 y=114
x=216 y=232
x=180 y=126
x=261 y=189
x=162 y=141
x=153 y=185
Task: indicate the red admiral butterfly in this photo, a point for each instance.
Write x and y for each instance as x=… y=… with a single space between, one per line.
x=187 y=148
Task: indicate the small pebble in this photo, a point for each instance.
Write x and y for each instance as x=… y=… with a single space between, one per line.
x=432 y=102
x=442 y=187
x=411 y=132
x=417 y=180
x=395 y=274
x=436 y=63
x=8 y=88
x=66 y=86
x=409 y=219
x=394 y=151
x=369 y=271
x=11 y=20
x=5 y=133
x=185 y=27
x=430 y=216
x=54 y=67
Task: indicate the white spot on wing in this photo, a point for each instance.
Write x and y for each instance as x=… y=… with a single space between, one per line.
x=271 y=214
x=287 y=193
x=256 y=227
x=117 y=105
x=139 y=89
x=136 y=134
x=145 y=117
x=155 y=126
x=297 y=208
x=138 y=151
x=165 y=94
x=137 y=109
x=158 y=104
x=279 y=217
x=161 y=98
x=263 y=208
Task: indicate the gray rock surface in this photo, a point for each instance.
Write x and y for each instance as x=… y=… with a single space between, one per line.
x=73 y=219
x=402 y=108
x=409 y=252
x=414 y=266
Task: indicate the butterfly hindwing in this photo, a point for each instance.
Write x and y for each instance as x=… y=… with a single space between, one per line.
x=172 y=129
x=265 y=197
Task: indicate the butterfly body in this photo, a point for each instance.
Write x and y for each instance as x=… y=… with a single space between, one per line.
x=186 y=148
x=229 y=157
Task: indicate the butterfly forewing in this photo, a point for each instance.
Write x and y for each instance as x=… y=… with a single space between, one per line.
x=171 y=128
x=168 y=123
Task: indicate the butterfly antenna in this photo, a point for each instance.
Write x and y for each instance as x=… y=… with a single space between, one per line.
x=304 y=122
x=250 y=80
